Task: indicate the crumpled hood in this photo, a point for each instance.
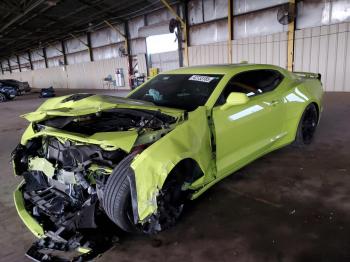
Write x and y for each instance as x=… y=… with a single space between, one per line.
x=84 y=104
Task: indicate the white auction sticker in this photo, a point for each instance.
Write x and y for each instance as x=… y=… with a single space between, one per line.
x=205 y=79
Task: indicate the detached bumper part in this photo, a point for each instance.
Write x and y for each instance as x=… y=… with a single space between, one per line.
x=89 y=245
x=35 y=251
x=27 y=219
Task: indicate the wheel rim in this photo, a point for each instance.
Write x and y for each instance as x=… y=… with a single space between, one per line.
x=170 y=202
x=309 y=124
x=2 y=98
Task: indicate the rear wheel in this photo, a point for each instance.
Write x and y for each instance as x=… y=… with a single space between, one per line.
x=2 y=98
x=307 y=126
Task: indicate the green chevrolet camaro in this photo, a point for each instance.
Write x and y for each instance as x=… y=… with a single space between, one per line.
x=136 y=160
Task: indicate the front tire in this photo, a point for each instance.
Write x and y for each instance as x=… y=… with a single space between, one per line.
x=118 y=207
x=117 y=196
x=307 y=126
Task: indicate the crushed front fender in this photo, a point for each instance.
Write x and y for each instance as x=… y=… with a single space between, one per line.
x=191 y=139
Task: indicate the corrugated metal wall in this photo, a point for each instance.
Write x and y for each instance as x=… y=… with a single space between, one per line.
x=208 y=54
x=324 y=49
x=320 y=46
x=270 y=49
x=83 y=75
x=165 y=61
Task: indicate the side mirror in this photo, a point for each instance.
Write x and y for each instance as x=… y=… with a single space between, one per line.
x=235 y=99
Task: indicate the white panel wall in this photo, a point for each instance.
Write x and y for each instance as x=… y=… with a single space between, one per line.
x=325 y=50
x=243 y=6
x=257 y=24
x=165 y=61
x=83 y=75
x=270 y=49
x=41 y=78
x=313 y=13
x=90 y=75
x=208 y=54
x=208 y=33
x=106 y=52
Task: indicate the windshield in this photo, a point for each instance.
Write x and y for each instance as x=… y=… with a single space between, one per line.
x=185 y=91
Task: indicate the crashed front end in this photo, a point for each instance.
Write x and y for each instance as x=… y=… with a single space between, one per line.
x=65 y=161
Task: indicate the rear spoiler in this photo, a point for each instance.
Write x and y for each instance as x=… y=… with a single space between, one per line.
x=308 y=75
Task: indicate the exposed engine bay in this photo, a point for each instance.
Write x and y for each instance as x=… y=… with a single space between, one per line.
x=111 y=120
x=65 y=179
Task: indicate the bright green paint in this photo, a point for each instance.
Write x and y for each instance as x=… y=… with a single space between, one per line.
x=235 y=99
x=241 y=133
x=190 y=139
x=27 y=219
x=106 y=140
x=270 y=122
x=96 y=103
x=43 y=165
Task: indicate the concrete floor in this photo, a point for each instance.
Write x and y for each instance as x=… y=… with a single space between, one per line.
x=291 y=205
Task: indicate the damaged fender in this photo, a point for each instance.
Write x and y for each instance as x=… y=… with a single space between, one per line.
x=191 y=139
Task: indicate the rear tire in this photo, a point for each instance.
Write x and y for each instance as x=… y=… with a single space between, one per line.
x=307 y=126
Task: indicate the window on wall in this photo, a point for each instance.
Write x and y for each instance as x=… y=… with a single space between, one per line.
x=316 y=13
x=244 y=6
x=257 y=24
x=200 y=11
x=161 y=43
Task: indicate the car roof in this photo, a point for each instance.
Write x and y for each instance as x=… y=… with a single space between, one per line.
x=220 y=68
x=9 y=80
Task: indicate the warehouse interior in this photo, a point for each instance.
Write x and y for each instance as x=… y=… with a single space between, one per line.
x=290 y=205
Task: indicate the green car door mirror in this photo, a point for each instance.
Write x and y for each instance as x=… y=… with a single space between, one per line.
x=235 y=99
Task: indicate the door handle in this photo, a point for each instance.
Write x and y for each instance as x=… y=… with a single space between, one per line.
x=274 y=102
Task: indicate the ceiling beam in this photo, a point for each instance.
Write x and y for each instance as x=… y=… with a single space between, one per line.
x=18 y=17
x=47 y=33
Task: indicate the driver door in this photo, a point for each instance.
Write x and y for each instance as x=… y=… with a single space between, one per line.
x=244 y=132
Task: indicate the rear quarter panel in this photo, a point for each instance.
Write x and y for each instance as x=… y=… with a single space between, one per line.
x=298 y=94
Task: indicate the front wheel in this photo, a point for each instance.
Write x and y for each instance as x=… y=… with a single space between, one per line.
x=118 y=206
x=307 y=126
x=117 y=196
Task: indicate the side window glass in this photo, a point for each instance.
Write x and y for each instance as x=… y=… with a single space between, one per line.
x=252 y=83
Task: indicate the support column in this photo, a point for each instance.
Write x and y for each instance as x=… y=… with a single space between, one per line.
x=91 y=54
x=291 y=35
x=64 y=53
x=30 y=60
x=230 y=30
x=19 y=63
x=2 y=69
x=184 y=28
x=179 y=37
x=9 y=64
x=45 y=57
x=127 y=49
